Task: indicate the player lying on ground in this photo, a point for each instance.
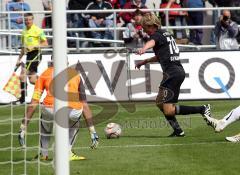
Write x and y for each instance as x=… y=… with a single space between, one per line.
x=167 y=54
x=76 y=107
x=219 y=125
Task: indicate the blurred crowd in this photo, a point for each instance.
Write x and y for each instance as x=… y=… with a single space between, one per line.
x=225 y=34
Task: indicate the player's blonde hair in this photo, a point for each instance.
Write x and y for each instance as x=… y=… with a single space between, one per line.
x=150 y=19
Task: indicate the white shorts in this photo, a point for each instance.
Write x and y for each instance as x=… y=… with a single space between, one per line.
x=47 y=117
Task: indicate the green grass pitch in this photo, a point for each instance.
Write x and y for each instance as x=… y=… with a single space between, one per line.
x=143 y=148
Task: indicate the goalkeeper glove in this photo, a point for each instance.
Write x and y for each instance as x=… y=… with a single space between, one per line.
x=94 y=138
x=21 y=135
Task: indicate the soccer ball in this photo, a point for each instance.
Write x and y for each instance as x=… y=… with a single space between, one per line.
x=113 y=130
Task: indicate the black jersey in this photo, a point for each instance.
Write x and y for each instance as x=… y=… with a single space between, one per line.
x=165 y=49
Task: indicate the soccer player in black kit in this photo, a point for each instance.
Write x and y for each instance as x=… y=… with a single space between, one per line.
x=167 y=54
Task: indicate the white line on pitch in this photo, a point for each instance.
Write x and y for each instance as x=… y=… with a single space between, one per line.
x=162 y=145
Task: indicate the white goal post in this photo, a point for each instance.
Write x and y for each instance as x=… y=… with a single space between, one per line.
x=60 y=64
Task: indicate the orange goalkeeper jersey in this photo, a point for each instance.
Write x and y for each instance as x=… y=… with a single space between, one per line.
x=44 y=83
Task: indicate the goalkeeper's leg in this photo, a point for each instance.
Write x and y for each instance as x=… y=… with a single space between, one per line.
x=73 y=131
x=74 y=124
x=46 y=130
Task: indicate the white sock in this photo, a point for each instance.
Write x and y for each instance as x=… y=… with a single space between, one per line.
x=233 y=116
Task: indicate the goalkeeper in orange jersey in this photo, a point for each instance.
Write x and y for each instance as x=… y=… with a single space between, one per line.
x=76 y=107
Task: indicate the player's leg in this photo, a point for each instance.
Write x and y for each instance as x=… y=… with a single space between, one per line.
x=186 y=110
x=204 y=110
x=23 y=83
x=33 y=59
x=74 y=124
x=168 y=110
x=234 y=139
x=168 y=96
x=32 y=77
x=174 y=82
x=231 y=117
x=46 y=130
x=169 y=113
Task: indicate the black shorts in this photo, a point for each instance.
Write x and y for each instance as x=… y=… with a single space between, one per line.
x=170 y=85
x=33 y=59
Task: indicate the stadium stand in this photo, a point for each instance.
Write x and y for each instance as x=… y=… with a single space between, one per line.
x=16 y=20
x=76 y=31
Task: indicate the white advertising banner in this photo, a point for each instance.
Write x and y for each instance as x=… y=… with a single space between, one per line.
x=105 y=77
x=7 y=66
x=112 y=76
x=209 y=75
x=6 y=70
x=212 y=75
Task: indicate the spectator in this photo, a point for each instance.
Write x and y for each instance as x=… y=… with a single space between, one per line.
x=47 y=5
x=215 y=15
x=133 y=4
x=176 y=18
x=226 y=31
x=134 y=33
x=214 y=20
x=195 y=18
x=123 y=2
x=115 y=3
x=100 y=19
x=17 y=19
x=168 y=4
x=235 y=14
x=220 y=3
x=47 y=21
x=77 y=20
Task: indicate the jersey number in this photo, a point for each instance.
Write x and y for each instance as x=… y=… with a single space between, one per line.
x=174 y=50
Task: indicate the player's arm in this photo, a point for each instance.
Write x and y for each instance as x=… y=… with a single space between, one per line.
x=149 y=60
x=150 y=44
x=30 y=111
x=20 y=57
x=44 y=43
x=43 y=39
x=87 y=114
x=22 y=52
